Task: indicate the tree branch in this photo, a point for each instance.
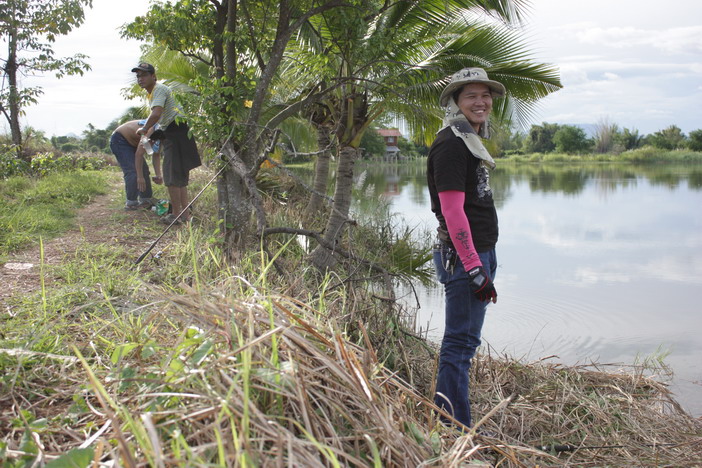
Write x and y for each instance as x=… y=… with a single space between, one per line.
x=4 y=112
x=320 y=9
x=332 y=248
x=296 y=106
x=264 y=154
x=252 y=36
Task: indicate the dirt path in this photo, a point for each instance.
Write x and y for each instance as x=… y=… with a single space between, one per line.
x=102 y=221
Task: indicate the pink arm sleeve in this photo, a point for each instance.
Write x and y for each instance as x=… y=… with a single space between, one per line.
x=458 y=227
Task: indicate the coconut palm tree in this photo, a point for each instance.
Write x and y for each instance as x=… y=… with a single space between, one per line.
x=396 y=58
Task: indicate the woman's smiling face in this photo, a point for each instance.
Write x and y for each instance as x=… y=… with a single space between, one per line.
x=475 y=102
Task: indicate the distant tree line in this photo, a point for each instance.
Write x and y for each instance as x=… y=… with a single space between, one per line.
x=92 y=139
x=556 y=138
x=606 y=138
x=543 y=138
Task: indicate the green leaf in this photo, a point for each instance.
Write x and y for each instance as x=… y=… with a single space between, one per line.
x=39 y=424
x=28 y=445
x=414 y=431
x=122 y=351
x=76 y=458
x=201 y=353
x=148 y=351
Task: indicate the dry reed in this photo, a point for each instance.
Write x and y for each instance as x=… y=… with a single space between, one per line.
x=264 y=380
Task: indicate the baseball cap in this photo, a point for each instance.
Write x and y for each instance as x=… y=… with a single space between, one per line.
x=143 y=66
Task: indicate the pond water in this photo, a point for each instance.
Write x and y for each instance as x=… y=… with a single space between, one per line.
x=597 y=263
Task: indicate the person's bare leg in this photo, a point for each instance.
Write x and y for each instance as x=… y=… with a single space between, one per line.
x=174 y=195
x=184 y=202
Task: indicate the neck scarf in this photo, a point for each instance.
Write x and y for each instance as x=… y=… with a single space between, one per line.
x=454 y=118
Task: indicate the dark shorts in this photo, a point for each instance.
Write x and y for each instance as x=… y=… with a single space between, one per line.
x=180 y=155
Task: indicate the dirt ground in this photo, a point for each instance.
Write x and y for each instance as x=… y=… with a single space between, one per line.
x=103 y=220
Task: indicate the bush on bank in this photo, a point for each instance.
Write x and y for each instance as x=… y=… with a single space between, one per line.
x=646 y=154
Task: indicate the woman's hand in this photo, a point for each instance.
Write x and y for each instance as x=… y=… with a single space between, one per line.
x=157 y=179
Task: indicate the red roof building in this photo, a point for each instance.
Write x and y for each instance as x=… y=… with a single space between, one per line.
x=391 y=137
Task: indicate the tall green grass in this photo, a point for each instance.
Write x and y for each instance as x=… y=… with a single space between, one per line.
x=30 y=208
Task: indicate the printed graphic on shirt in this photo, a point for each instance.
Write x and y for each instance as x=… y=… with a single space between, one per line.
x=484 y=191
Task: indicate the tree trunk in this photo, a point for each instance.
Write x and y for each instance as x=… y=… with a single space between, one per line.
x=236 y=201
x=321 y=172
x=234 y=213
x=229 y=43
x=13 y=97
x=321 y=257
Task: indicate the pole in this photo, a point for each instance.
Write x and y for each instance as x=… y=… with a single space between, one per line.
x=153 y=244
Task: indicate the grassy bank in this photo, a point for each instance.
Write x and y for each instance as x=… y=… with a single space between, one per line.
x=192 y=360
x=31 y=208
x=647 y=154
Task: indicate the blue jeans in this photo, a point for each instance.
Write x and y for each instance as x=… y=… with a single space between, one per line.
x=464 y=321
x=125 y=157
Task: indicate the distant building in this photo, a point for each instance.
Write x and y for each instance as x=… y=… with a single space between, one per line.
x=391 y=137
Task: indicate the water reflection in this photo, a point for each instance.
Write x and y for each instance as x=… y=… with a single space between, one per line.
x=391 y=179
x=597 y=262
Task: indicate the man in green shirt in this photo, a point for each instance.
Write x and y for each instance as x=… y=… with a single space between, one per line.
x=180 y=153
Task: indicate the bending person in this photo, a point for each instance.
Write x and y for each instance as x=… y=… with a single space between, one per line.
x=180 y=154
x=155 y=145
x=124 y=144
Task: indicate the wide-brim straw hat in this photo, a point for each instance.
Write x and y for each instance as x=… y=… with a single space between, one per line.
x=467 y=76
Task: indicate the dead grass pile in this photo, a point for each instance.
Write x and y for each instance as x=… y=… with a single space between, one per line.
x=590 y=415
x=242 y=378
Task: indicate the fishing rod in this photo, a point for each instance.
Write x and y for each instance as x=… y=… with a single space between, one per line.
x=270 y=147
x=175 y=220
x=559 y=448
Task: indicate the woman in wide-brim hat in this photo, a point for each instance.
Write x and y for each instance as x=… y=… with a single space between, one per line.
x=464 y=256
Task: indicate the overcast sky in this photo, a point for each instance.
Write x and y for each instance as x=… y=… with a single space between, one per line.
x=636 y=63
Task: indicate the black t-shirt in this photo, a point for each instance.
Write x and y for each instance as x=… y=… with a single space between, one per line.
x=451 y=166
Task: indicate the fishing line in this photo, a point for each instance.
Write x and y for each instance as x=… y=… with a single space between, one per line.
x=224 y=166
x=278 y=165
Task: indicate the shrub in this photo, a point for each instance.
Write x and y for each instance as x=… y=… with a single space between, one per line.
x=670 y=138
x=695 y=140
x=643 y=154
x=10 y=164
x=43 y=163
x=571 y=139
x=69 y=147
x=46 y=163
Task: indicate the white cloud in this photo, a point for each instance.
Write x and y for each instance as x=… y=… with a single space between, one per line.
x=682 y=40
x=665 y=268
x=573 y=74
x=647 y=95
x=632 y=63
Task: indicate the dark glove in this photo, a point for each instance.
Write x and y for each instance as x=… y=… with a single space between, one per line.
x=481 y=285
